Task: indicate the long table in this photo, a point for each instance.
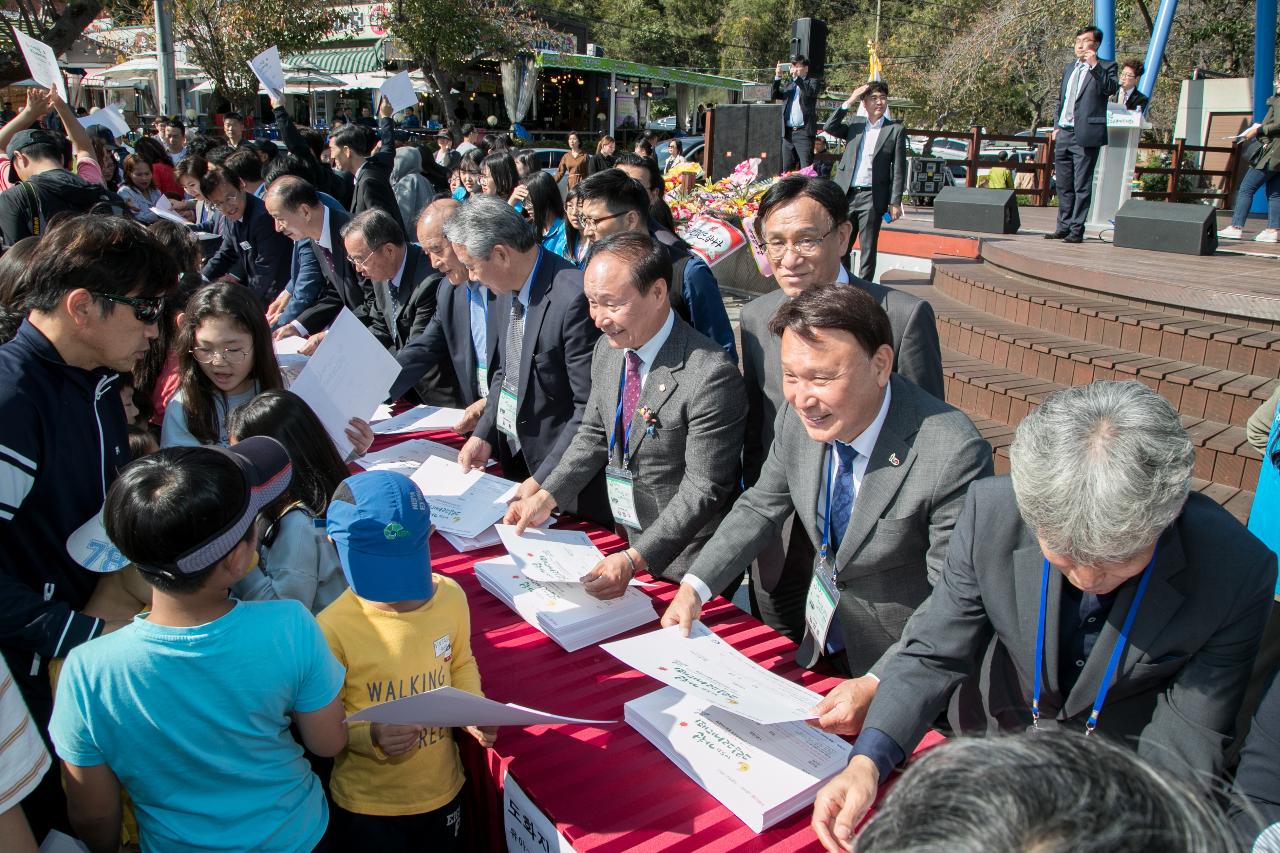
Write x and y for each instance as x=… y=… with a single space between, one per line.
x=605 y=789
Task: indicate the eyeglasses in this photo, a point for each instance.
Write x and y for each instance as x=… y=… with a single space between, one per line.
x=359 y=262
x=145 y=308
x=805 y=247
x=231 y=198
x=585 y=222
x=231 y=355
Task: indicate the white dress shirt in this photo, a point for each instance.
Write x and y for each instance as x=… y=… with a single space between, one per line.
x=796 y=117
x=648 y=351
x=1068 y=117
x=870 y=136
x=325 y=242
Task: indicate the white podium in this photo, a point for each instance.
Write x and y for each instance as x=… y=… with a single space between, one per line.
x=1113 y=174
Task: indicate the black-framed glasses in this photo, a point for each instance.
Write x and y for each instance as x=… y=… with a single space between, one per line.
x=585 y=222
x=145 y=308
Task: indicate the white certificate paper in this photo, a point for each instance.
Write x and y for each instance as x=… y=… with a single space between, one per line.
x=347 y=377
x=705 y=666
x=462 y=502
x=398 y=91
x=270 y=73
x=42 y=62
x=418 y=419
x=448 y=706
x=552 y=556
x=407 y=456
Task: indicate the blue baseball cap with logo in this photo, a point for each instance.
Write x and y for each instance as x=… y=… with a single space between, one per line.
x=380 y=523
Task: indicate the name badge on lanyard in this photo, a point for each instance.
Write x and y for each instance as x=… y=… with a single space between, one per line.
x=618 y=480
x=508 y=406
x=820 y=603
x=482 y=380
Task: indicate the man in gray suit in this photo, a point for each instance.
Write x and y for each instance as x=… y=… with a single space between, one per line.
x=1150 y=640
x=873 y=170
x=540 y=388
x=664 y=421
x=404 y=287
x=1079 y=130
x=803 y=223
x=874 y=469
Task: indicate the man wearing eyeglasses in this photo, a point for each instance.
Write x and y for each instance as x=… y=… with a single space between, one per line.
x=96 y=287
x=803 y=224
x=249 y=237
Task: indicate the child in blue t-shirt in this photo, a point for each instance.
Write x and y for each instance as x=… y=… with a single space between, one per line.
x=189 y=706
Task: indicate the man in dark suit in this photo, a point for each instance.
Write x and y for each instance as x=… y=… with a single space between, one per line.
x=874 y=469
x=1088 y=590
x=300 y=215
x=351 y=150
x=306 y=145
x=873 y=170
x=539 y=391
x=665 y=415
x=799 y=113
x=404 y=287
x=250 y=238
x=464 y=330
x=1079 y=130
x=804 y=227
x=1130 y=74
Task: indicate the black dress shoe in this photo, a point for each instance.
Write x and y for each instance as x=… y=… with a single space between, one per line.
x=1057 y=235
x=1073 y=238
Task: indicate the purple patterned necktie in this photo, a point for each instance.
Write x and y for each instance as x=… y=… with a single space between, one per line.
x=631 y=387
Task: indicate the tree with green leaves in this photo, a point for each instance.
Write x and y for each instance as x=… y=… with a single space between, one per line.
x=57 y=24
x=221 y=36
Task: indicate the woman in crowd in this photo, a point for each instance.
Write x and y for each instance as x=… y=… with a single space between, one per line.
x=573 y=163
x=542 y=204
x=1264 y=170
x=498 y=175
x=606 y=148
x=153 y=153
x=138 y=190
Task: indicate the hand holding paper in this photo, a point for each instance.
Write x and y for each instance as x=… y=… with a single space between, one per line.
x=42 y=62
x=267 y=68
x=398 y=91
x=446 y=707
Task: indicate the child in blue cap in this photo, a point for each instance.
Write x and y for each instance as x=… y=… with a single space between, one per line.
x=399 y=630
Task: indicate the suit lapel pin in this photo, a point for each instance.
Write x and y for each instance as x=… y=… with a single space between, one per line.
x=893 y=460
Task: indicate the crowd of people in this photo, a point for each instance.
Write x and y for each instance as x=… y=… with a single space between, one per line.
x=196 y=592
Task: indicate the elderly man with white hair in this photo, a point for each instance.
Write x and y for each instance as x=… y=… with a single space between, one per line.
x=1089 y=591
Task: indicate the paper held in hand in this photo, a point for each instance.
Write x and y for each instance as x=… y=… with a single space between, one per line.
x=42 y=62
x=270 y=73
x=398 y=91
x=448 y=706
x=761 y=773
x=565 y=612
x=708 y=668
x=109 y=117
x=419 y=419
x=349 y=375
x=553 y=556
x=462 y=502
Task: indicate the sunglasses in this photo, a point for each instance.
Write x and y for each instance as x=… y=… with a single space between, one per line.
x=145 y=309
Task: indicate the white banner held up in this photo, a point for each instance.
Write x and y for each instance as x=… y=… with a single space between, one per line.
x=270 y=73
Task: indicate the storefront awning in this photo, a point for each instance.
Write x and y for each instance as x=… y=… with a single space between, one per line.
x=580 y=62
x=343 y=60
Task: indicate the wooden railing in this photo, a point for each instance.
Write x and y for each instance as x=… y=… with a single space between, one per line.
x=1041 y=166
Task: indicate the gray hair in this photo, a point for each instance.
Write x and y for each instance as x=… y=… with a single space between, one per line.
x=377 y=227
x=485 y=221
x=1052 y=792
x=1100 y=470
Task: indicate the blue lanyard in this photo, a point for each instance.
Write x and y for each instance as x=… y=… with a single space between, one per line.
x=617 y=421
x=1112 y=665
x=825 y=549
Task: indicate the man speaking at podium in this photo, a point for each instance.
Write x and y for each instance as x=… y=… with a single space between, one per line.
x=1080 y=129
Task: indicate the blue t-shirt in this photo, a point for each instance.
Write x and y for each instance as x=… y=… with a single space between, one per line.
x=194 y=722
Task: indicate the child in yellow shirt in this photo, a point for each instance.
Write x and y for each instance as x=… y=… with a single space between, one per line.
x=399 y=630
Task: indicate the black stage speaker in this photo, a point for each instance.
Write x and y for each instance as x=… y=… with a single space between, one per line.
x=1162 y=226
x=809 y=39
x=973 y=209
x=742 y=131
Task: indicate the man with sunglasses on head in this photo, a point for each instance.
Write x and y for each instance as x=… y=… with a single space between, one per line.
x=97 y=283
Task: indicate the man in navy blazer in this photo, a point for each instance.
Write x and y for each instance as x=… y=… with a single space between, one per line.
x=464 y=329
x=539 y=392
x=249 y=238
x=799 y=113
x=1079 y=130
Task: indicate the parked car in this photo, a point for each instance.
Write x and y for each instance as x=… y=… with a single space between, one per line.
x=548 y=158
x=666 y=124
x=690 y=147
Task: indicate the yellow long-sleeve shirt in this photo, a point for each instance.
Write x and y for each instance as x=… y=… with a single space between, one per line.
x=388 y=656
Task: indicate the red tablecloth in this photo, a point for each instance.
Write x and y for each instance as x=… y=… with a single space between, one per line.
x=606 y=789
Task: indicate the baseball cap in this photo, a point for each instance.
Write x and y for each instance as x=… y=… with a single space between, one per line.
x=380 y=523
x=443 y=134
x=266 y=468
x=31 y=136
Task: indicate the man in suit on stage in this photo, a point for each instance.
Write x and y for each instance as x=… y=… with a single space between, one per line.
x=1079 y=130
x=803 y=225
x=665 y=416
x=799 y=113
x=539 y=391
x=873 y=170
x=875 y=470
x=464 y=330
x=1091 y=589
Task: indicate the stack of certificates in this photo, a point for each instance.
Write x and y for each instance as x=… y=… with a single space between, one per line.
x=563 y=610
x=762 y=773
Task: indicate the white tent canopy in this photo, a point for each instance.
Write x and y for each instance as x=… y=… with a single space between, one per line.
x=141 y=67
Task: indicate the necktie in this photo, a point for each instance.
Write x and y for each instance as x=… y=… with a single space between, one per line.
x=515 y=343
x=328 y=257
x=842 y=494
x=631 y=387
x=1073 y=90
